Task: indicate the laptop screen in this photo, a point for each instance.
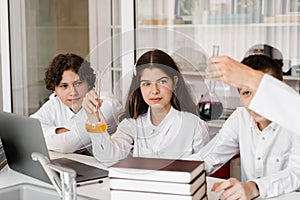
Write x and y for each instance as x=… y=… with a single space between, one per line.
x=20 y=137
x=23 y=135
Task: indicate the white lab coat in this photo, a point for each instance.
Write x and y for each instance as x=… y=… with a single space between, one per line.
x=178 y=136
x=278 y=102
x=271 y=157
x=55 y=114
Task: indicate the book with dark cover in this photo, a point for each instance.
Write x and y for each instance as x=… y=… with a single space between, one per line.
x=155 y=169
x=158 y=186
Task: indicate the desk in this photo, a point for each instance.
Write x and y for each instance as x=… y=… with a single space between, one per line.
x=9 y=177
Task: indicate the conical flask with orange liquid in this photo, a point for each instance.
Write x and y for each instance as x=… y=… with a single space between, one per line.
x=96 y=122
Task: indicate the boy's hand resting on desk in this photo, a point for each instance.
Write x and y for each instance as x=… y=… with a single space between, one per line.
x=234 y=189
x=61 y=130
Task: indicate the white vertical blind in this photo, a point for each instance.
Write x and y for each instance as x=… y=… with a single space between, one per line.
x=5 y=57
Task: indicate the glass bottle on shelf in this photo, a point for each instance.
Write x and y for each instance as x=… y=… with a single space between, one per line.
x=210 y=107
x=96 y=122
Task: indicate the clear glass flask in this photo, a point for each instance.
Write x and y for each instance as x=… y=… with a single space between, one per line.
x=210 y=107
x=96 y=122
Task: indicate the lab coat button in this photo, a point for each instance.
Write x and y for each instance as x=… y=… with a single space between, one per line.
x=258 y=158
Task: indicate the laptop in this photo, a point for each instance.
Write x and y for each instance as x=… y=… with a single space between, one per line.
x=22 y=135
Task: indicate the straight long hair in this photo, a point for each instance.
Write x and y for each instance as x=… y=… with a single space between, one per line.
x=181 y=99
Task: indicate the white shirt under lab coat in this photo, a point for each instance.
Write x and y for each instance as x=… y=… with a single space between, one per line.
x=178 y=136
x=278 y=102
x=55 y=114
x=271 y=157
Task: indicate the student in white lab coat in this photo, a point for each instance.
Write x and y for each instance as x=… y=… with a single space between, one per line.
x=270 y=157
x=70 y=77
x=159 y=119
x=273 y=99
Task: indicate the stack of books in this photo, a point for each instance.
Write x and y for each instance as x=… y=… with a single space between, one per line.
x=153 y=178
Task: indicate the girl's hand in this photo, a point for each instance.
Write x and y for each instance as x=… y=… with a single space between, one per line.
x=91 y=102
x=234 y=189
x=233 y=72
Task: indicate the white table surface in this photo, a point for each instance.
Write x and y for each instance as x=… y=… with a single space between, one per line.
x=9 y=177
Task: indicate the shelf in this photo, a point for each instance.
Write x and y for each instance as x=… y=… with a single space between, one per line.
x=291 y=78
x=117 y=69
x=215 y=123
x=193 y=73
x=197 y=73
x=220 y=25
x=61 y=27
x=115 y=26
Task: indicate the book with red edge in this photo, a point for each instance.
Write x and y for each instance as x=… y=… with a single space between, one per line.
x=156 y=169
x=158 y=186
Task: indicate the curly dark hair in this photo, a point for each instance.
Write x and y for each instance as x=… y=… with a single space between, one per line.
x=265 y=64
x=69 y=61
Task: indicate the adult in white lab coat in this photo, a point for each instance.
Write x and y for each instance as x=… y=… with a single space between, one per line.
x=270 y=157
x=159 y=119
x=273 y=99
x=70 y=77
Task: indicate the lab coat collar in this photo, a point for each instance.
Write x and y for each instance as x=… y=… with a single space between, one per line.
x=166 y=122
x=272 y=126
x=70 y=114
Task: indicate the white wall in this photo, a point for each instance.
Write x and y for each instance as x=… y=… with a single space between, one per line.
x=1 y=100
